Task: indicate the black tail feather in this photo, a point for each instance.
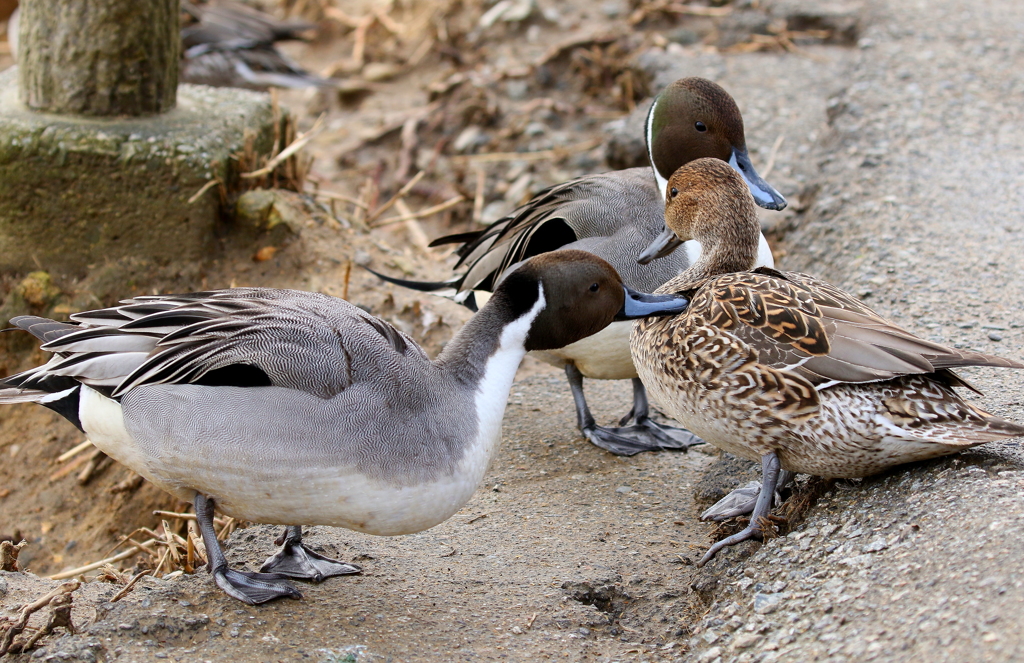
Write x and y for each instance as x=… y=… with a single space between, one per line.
x=458 y=238
x=422 y=286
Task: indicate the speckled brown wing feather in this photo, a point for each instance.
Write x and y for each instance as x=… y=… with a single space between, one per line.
x=808 y=328
x=693 y=348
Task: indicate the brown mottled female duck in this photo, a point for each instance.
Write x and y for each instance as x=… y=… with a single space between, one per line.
x=789 y=370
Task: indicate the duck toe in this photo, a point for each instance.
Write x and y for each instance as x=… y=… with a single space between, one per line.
x=753 y=530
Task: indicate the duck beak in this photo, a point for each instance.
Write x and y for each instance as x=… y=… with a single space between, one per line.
x=764 y=194
x=643 y=305
x=663 y=244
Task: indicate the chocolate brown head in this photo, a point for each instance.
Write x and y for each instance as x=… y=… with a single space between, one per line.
x=694 y=118
x=582 y=295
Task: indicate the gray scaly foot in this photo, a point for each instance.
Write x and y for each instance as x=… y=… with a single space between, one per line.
x=295 y=560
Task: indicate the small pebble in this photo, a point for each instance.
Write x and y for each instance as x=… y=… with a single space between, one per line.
x=623 y=489
x=993 y=336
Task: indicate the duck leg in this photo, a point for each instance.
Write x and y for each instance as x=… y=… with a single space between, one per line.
x=770 y=470
x=741 y=501
x=645 y=435
x=248 y=587
x=295 y=560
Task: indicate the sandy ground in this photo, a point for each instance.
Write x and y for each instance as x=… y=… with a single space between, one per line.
x=900 y=155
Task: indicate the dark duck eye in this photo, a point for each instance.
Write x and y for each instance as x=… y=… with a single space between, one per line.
x=673 y=192
x=701 y=127
x=594 y=287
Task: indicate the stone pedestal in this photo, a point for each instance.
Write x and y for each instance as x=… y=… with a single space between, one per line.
x=76 y=192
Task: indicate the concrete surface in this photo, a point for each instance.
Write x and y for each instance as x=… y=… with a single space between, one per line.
x=77 y=191
x=920 y=210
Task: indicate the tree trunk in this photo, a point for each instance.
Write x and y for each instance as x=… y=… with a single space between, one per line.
x=99 y=57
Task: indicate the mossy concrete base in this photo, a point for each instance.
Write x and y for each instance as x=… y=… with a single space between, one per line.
x=77 y=192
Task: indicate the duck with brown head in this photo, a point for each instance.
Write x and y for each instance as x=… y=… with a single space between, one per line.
x=614 y=216
x=787 y=369
x=294 y=408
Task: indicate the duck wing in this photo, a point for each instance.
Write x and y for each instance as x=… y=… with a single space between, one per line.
x=804 y=327
x=595 y=206
x=240 y=337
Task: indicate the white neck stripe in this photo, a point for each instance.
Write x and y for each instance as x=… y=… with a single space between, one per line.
x=649 y=134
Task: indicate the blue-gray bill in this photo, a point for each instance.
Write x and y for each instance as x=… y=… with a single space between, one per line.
x=643 y=305
x=663 y=244
x=764 y=194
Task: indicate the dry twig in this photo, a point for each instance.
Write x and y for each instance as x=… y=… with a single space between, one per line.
x=422 y=213
x=9 y=555
x=61 y=617
x=131 y=585
x=71 y=453
x=395 y=198
x=771 y=156
x=110 y=560
x=300 y=142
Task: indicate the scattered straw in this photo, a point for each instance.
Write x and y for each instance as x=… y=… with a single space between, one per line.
x=300 y=142
x=422 y=213
x=74 y=452
x=395 y=198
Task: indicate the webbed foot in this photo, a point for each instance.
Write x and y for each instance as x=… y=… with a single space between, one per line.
x=246 y=586
x=741 y=501
x=254 y=588
x=644 y=436
x=295 y=560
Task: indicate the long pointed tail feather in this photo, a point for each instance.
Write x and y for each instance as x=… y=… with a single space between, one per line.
x=422 y=286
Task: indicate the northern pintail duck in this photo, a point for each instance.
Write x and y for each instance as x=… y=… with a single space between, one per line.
x=231 y=45
x=615 y=216
x=297 y=408
x=789 y=370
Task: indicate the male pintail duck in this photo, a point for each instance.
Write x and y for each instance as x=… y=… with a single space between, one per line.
x=297 y=408
x=787 y=369
x=615 y=216
x=228 y=44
